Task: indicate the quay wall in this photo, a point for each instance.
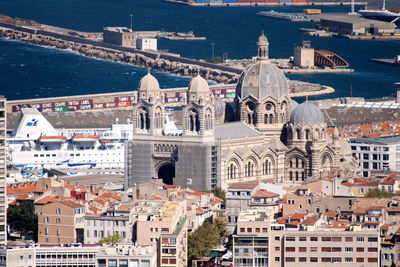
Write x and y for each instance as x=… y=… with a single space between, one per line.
x=156 y=60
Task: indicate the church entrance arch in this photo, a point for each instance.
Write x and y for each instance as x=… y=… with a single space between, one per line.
x=166 y=172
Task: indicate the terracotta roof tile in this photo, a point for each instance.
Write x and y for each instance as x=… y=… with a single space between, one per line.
x=265 y=193
x=243 y=185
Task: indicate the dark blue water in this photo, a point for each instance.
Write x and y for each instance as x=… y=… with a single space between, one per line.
x=31 y=71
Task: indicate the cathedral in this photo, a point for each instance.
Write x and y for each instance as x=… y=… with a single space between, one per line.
x=264 y=136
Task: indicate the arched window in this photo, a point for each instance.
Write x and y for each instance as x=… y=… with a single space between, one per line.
x=298 y=134
x=307 y=134
x=208 y=120
x=144 y=120
x=249 y=169
x=193 y=121
x=296 y=169
x=271 y=119
x=267 y=167
x=231 y=172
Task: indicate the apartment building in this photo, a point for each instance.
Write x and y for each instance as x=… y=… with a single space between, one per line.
x=3 y=170
x=114 y=221
x=45 y=256
x=127 y=255
x=330 y=247
x=377 y=154
x=60 y=222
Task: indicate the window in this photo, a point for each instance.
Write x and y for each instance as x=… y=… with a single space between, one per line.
x=249 y=230
x=302 y=259
x=277 y=248
x=290 y=259
x=372 y=239
x=336 y=239
x=46 y=231
x=360 y=260
x=314 y=249
x=314 y=238
x=58 y=232
x=360 y=239
x=277 y=259
x=264 y=230
x=360 y=249
x=58 y=211
x=21 y=257
x=58 y=220
x=337 y=249
x=373 y=249
x=303 y=238
x=257 y=230
x=242 y=230
x=336 y=259
x=290 y=249
x=290 y=238
x=313 y=259
x=349 y=239
x=326 y=260
x=349 y=259
x=326 y=249
x=302 y=249
x=349 y=249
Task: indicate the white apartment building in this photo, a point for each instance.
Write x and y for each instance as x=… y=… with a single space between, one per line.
x=377 y=154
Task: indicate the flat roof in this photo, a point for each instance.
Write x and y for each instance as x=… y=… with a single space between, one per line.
x=381 y=140
x=356 y=19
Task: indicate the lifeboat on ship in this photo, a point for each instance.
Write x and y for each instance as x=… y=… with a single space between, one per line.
x=85 y=138
x=52 y=139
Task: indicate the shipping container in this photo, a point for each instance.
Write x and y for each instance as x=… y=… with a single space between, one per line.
x=202 y=1
x=243 y=1
x=300 y=1
x=98 y=105
x=60 y=109
x=229 y=1
x=121 y=98
x=110 y=105
x=285 y=1
x=230 y=95
x=123 y=103
x=60 y=104
x=85 y=106
x=273 y=1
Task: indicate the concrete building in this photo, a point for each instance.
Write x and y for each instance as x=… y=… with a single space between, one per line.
x=354 y=24
x=82 y=256
x=377 y=154
x=329 y=248
x=120 y=36
x=266 y=137
x=304 y=55
x=60 y=222
x=146 y=44
x=3 y=172
x=127 y=255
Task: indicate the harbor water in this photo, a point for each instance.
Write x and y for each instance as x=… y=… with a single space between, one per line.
x=29 y=71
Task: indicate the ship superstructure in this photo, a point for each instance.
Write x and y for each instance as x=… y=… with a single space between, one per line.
x=35 y=144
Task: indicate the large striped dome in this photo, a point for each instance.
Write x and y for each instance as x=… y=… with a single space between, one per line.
x=262 y=80
x=306 y=113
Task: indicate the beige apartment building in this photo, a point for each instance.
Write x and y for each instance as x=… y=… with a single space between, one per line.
x=329 y=247
x=3 y=174
x=60 y=222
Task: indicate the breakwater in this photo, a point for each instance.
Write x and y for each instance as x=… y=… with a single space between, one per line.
x=39 y=35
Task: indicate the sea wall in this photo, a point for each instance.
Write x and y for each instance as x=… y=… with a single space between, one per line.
x=92 y=48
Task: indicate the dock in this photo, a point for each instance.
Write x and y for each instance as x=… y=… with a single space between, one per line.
x=386 y=61
x=265 y=3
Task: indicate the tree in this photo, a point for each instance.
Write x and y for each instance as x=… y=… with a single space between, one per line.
x=219 y=192
x=377 y=193
x=209 y=235
x=111 y=239
x=22 y=219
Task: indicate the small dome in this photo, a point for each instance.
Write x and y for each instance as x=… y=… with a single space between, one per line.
x=261 y=80
x=262 y=40
x=149 y=83
x=307 y=113
x=199 y=85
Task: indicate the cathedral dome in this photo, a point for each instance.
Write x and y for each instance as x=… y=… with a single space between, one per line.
x=149 y=83
x=199 y=85
x=261 y=80
x=307 y=113
x=293 y=105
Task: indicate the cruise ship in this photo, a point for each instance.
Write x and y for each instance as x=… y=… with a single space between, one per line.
x=35 y=145
x=381 y=14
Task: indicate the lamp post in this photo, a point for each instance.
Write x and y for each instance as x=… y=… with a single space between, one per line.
x=212 y=50
x=131 y=20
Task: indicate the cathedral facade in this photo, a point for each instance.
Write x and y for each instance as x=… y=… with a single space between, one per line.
x=266 y=136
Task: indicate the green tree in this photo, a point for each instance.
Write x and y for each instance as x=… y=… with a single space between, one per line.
x=111 y=239
x=209 y=235
x=22 y=219
x=219 y=192
x=377 y=193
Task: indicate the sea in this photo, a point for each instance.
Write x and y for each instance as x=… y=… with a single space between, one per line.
x=31 y=71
